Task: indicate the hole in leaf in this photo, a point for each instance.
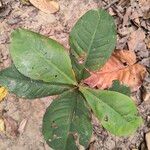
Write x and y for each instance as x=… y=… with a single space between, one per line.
x=55 y=76
x=54 y=125
x=54 y=136
x=129 y=25
x=106 y=118
x=125 y=63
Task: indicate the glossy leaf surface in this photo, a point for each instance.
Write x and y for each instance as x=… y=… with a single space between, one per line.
x=115 y=111
x=93 y=39
x=25 y=87
x=41 y=58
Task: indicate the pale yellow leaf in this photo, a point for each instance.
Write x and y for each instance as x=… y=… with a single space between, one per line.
x=3 y=93
x=47 y=6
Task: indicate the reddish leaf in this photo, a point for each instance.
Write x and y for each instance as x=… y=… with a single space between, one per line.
x=121 y=66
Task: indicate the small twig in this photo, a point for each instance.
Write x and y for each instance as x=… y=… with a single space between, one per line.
x=110 y=4
x=117 y=11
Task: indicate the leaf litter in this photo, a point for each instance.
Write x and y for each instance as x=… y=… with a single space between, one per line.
x=11 y=126
x=72 y=11
x=135 y=39
x=121 y=66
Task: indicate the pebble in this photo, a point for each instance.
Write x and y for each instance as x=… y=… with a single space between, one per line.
x=147 y=138
x=1 y=4
x=146 y=95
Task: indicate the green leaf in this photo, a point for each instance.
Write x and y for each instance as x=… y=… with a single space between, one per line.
x=41 y=58
x=80 y=71
x=120 y=88
x=93 y=39
x=66 y=123
x=27 y=88
x=116 y=112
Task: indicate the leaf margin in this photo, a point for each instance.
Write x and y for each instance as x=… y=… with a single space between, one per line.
x=138 y=119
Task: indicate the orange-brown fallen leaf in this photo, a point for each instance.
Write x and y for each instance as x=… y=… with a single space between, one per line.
x=121 y=66
x=47 y=6
x=11 y=126
x=3 y=93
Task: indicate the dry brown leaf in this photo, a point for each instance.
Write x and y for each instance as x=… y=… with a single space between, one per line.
x=11 y=126
x=147 y=137
x=3 y=93
x=146 y=15
x=47 y=6
x=124 y=3
x=148 y=42
x=144 y=4
x=135 y=17
x=135 y=39
x=126 y=16
x=121 y=66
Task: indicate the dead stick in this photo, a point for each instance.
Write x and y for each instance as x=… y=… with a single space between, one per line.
x=110 y=4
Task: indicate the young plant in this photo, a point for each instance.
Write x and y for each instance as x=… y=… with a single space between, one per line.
x=42 y=67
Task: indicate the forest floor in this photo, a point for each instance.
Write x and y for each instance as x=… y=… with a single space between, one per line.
x=132 y=20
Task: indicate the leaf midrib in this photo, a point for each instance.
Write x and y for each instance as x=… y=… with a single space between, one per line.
x=93 y=37
x=70 y=118
x=38 y=81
